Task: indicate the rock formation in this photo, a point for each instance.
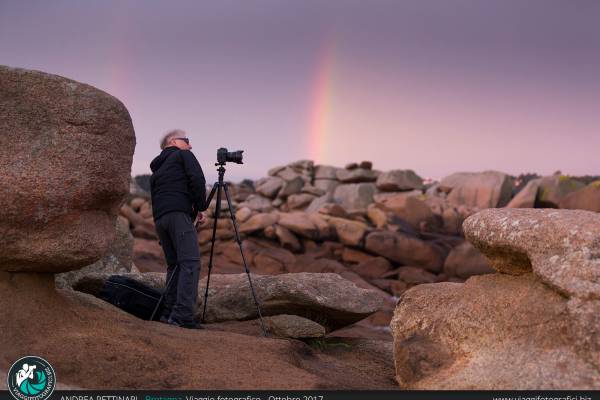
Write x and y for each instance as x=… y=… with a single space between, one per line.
x=59 y=196
x=532 y=325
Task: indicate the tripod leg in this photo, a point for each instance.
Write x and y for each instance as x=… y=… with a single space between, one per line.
x=216 y=187
x=162 y=296
x=239 y=241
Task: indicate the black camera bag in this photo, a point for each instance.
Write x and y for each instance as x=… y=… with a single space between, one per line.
x=131 y=296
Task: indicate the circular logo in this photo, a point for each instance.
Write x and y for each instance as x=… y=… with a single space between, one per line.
x=31 y=378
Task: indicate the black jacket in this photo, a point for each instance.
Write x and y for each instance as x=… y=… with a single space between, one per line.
x=177 y=183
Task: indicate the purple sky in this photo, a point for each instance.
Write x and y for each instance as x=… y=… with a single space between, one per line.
x=435 y=86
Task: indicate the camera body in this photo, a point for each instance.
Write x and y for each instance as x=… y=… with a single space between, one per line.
x=224 y=156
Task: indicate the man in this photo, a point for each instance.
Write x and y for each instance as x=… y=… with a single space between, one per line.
x=178 y=191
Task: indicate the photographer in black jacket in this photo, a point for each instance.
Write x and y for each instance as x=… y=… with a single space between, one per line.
x=178 y=191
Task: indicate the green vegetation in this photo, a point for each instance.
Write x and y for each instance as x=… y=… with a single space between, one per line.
x=328 y=343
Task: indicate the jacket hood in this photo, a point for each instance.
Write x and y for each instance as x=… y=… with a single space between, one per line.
x=160 y=159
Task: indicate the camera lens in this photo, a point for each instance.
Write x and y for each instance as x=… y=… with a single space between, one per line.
x=235 y=156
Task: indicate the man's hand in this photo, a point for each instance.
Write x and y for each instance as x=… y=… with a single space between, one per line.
x=200 y=220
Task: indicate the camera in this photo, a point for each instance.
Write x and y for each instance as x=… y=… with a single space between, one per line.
x=224 y=156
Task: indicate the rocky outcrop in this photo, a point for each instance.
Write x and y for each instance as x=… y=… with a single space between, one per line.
x=325 y=298
x=59 y=196
x=540 y=312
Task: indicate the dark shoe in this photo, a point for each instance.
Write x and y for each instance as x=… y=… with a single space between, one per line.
x=187 y=325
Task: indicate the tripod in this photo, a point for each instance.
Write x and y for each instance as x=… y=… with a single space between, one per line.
x=217 y=189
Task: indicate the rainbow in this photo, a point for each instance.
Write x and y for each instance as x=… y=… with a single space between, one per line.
x=319 y=129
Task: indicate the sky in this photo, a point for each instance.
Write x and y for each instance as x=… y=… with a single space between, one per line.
x=437 y=86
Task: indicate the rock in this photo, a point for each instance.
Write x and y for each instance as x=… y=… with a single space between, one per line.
x=300 y=200
x=411 y=209
x=256 y=202
x=278 y=202
x=80 y=327
x=269 y=232
x=271 y=261
x=293 y=326
x=365 y=165
x=299 y=223
x=309 y=263
x=287 y=239
x=480 y=189
x=377 y=216
x=310 y=189
x=325 y=232
x=349 y=232
x=136 y=203
x=553 y=189
x=333 y=209
x=59 y=197
x=372 y=268
x=258 y=222
x=356 y=175
x=318 y=202
x=449 y=336
x=404 y=249
x=355 y=256
x=327 y=185
x=392 y=286
x=231 y=252
x=351 y=166
x=290 y=187
x=326 y=172
x=273 y=171
x=303 y=165
x=527 y=196
x=146 y=211
x=354 y=195
x=119 y=258
x=288 y=174
x=465 y=260
x=269 y=187
x=554 y=257
x=567 y=259
x=325 y=298
x=398 y=180
x=587 y=198
x=383 y=197
x=415 y=276
x=148 y=255
x=242 y=214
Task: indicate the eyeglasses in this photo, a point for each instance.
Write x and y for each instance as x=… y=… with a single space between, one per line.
x=186 y=140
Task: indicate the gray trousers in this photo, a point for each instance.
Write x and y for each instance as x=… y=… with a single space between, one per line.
x=179 y=242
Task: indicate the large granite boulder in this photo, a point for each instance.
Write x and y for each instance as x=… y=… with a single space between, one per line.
x=481 y=189
x=325 y=298
x=540 y=313
x=66 y=150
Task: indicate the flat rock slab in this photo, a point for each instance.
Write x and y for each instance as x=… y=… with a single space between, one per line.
x=325 y=298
